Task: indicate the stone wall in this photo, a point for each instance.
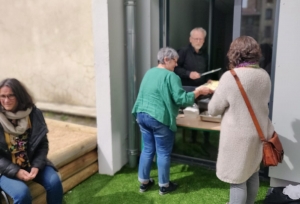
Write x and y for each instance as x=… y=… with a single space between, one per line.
x=48 y=45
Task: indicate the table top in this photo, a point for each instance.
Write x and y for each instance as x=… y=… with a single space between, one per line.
x=196 y=123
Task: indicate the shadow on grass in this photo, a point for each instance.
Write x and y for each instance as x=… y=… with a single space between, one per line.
x=196 y=179
x=84 y=191
x=196 y=185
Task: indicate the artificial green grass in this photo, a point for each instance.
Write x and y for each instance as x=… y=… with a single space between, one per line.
x=196 y=185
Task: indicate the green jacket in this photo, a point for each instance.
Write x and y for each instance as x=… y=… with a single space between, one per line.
x=160 y=95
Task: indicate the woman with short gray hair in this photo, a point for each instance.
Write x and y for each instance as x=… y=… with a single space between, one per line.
x=156 y=107
x=166 y=52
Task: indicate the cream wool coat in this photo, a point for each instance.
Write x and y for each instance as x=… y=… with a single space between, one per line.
x=240 y=149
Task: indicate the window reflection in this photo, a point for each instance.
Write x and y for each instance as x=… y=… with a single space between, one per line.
x=258 y=22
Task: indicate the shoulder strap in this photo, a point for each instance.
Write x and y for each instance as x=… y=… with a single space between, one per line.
x=253 y=116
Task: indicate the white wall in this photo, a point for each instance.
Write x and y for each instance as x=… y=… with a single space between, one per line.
x=48 y=45
x=110 y=65
x=286 y=114
x=118 y=74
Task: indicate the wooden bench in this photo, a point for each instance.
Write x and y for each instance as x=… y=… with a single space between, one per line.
x=73 y=150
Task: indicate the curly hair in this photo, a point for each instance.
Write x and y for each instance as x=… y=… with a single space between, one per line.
x=243 y=49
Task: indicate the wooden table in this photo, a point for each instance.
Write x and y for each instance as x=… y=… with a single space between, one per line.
x=196 y=123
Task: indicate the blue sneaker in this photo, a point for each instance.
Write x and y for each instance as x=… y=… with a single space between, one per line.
x=164 y=190
x=145 y=187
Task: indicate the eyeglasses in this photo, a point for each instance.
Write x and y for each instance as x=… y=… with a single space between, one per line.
x=198 y=39
x=9 y=97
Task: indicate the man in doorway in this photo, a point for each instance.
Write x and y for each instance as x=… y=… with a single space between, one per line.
x=192 y=62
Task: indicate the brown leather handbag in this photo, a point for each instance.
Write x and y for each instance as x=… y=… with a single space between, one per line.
x=272 y=148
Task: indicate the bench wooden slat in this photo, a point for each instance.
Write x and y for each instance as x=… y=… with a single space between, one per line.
x=66 y=171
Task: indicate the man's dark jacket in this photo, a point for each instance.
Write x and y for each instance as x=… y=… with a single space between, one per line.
x=190 y=61
x=37 y=148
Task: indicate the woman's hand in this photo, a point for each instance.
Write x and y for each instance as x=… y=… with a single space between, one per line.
x=34 y=171
x=202 y=90
x=23 y=175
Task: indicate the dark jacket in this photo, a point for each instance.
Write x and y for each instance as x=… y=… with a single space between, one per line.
x=37 y=149
x=190 y=61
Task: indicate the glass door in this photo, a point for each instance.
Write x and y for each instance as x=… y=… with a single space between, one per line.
x=258 y=21
x=224 y=20
x=177 y=19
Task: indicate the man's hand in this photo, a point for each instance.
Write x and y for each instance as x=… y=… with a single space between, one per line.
x=195 y=75
x=23 y=175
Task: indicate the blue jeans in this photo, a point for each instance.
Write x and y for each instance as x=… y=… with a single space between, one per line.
x=157 y=138
x=20 y=193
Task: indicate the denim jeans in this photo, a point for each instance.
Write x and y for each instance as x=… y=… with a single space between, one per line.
x=245 y=193
x=159 y=139
x=20 y=193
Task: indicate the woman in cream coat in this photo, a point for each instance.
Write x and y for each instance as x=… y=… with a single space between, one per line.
x=240 y=149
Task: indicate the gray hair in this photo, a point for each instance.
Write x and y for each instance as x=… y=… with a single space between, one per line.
x=166 y=52
x=198 y=29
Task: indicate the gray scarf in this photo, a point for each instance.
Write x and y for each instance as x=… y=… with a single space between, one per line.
x=22 y=121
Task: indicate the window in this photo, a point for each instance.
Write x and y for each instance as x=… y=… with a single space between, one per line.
x=267 y=31
x=250 y=21
x=269 y=12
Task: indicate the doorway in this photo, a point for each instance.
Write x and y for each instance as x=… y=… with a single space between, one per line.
x=177 y=19
x=224 y=20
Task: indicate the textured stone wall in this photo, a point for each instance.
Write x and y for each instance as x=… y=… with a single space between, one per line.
x=48 y=45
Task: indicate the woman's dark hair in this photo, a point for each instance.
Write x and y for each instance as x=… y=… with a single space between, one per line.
x=23 y=98
x=243 y=49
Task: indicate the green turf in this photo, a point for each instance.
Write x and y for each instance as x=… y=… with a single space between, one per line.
x=196 y=185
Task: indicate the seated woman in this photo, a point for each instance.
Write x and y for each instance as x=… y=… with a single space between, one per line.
x=24 y=146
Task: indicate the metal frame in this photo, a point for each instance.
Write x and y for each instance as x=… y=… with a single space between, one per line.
x=4 y=197
x=273 y=65
x=237 y=18
x=164 y=23
x=210 y=26
x=131 y=85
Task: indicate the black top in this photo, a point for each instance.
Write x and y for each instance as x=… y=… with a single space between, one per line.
x=37 y=149
x=189 y=61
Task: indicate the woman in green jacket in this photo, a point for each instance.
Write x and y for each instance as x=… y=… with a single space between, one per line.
x=156 y=107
